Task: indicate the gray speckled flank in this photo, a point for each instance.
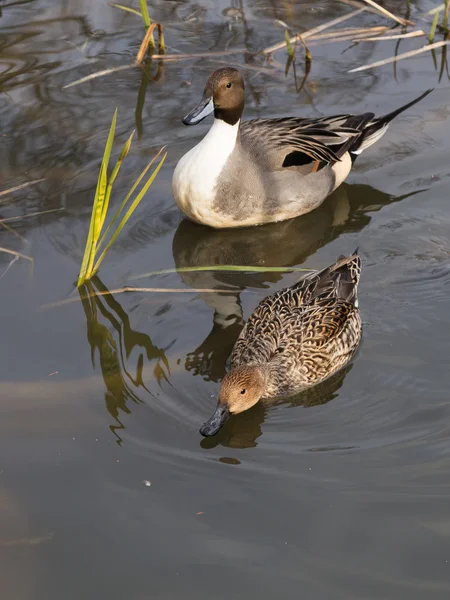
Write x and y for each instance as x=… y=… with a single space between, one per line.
x=249 y=185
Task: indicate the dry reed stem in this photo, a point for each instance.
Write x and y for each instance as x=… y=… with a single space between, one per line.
x=392 y=59
x=15 y=253
x=144 y=46
x=344 y=38
x=402 y=36
x=386 y=13
x=200 y=54
x=348 y=31
x=357 y=4
x=167 y=57
x=20 y=187
x=35 y=214
x=14 y=232
x=311 y=32
x=99 y=74
x=137 y=289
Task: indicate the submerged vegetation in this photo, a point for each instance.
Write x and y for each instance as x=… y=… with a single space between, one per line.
x=98 y=244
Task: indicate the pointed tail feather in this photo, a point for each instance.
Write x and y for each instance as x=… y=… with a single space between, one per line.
x=349 y=267
x=339 y=280
x=375 y=129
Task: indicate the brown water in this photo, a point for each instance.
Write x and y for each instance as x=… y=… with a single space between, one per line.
x=344 y=493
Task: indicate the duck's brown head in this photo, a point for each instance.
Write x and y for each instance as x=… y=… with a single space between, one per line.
x=224 y=94
x=241 y=389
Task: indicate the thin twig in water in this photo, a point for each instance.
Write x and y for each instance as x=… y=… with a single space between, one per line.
x=141 y=289
x=400 y=36
x=344 y=38
x=126 y=8
x=167 y=57
x=20 y=187
x=201 y=54
x=392 y=59
x=345 y=31
x=15 y=253
x=386 y=13
x=311 y=32
x=14 y=232
x=236 y=268
x=357 y=4
x=99 y=74
x=35 y=214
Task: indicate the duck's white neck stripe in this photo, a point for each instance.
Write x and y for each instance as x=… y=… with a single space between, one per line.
x=223 y=132
x=197 y=173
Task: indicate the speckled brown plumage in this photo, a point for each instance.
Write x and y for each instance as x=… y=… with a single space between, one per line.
x=304 y=333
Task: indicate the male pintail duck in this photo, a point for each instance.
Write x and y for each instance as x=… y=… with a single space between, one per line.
x=265 y=170
x=294 y=339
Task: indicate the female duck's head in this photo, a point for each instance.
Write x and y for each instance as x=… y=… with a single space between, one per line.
x=224 y=94
x=241 y=389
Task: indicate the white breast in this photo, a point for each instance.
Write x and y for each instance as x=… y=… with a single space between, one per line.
x=196 y=174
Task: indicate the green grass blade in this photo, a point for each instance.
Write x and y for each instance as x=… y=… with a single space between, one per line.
x=87 y=250
x=446 y=11
x=236 y=268
x=127 y=8
x=101 y=193
x=129 y=212
x=94 y=231
x=97 y=215
x=112 y=178
x=290 y=50
x=144 y=13
x=433 y=27
x=127 y=197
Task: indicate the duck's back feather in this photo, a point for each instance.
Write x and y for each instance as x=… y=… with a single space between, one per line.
x=308 y=330
x=294 y=141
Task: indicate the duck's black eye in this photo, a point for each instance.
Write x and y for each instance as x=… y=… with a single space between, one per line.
x=243 y=391
x=228 y=86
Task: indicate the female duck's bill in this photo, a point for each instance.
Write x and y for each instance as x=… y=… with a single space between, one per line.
x=224 y=94
x=212 y=426
x=240 y=389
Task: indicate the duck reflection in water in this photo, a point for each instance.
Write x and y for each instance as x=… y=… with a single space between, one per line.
x=114 y=341
x=284 y=244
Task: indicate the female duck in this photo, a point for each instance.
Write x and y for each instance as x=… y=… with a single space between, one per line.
x=265 y=170
x=295 y=339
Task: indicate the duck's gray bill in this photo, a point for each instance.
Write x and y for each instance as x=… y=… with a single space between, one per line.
x=201 y=111
x=212 y=426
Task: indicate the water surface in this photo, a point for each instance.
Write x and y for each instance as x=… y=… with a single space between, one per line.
x=343 y=492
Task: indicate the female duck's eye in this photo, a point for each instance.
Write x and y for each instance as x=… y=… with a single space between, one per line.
x=242 y=391
x=228 y=86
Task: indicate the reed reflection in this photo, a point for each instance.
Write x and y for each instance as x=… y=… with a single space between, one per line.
x=121 y=350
